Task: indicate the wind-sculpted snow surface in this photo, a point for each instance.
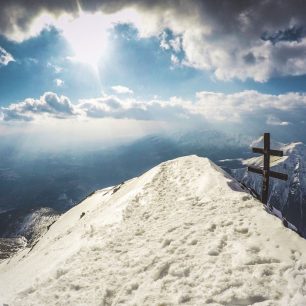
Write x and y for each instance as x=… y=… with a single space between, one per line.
x=182 y=233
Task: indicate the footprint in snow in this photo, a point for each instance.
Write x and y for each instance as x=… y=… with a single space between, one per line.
x=166 y=242
x=242 y=230
x=161 y=271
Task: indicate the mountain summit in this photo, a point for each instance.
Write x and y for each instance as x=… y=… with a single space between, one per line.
x=184 y=232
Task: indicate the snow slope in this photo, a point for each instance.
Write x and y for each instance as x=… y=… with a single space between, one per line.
x=182 y=233
x=288 y=197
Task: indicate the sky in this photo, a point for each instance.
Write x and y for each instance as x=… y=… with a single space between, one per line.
x=89 y=70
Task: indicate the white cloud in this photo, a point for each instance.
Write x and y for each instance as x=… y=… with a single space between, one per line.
x=272 y=120
x=119 y=89
x=56 y=69
x=164 y=44
x=59 y=82
x=176 y=44
x=114 y=107
x=5 y=57
x=242 y=109
x=174 y=59
x=48 y=105
x=237 y=106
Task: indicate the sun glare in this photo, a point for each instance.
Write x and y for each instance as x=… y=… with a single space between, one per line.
x=87 y=35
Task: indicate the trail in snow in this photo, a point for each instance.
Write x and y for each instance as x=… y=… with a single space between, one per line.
x=183 y=233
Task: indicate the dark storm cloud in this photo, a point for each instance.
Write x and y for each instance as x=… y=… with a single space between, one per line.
x=224 y=15
x=292 y=34
x=233 y=39
x=249 y=58
x=19 y=14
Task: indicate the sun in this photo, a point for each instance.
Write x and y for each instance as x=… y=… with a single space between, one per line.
x=88 y=37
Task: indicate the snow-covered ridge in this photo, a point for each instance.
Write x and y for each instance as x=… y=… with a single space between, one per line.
x=182 y=233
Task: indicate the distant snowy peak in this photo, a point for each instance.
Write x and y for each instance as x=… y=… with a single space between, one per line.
x=297 y=148
x=259 y=143
x=292 y=151
x=291 y=148
x=184 y=232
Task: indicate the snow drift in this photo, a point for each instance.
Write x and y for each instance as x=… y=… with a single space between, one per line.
x=182 y=233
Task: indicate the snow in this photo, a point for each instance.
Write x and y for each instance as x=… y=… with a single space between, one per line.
x=182 y=233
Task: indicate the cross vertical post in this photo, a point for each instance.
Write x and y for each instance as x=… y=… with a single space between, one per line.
x=266 y=169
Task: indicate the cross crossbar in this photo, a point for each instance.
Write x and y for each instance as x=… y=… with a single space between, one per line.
x=278 y=175
x=255 y=170
x=273 y=174
x=271 y=152
x=265 y=171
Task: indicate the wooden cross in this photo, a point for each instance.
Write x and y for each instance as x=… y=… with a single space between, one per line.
x=265 y=171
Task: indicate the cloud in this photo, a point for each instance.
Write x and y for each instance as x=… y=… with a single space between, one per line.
x=164 y=44
x=114 y=107
x=5 y=57
x=247 y=112
x=231 y=39
x=242 y=109
x=48 y=105
x=272 y=120
x=59 y=82
x=122 y=90
x=174 y=59
x=244 y=105
x=55 y=68
x=167 y=43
